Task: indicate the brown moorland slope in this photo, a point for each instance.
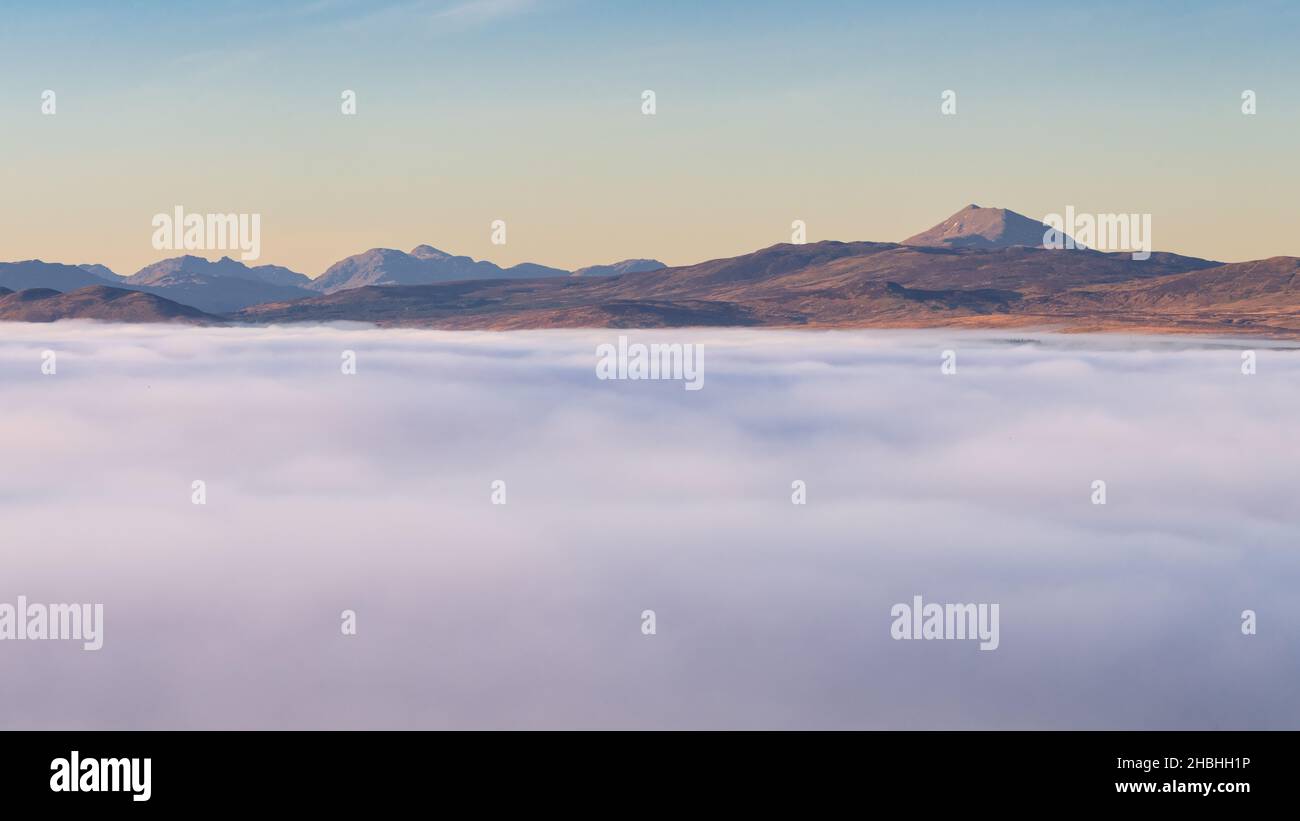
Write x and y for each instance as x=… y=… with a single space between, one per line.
x=102 y=302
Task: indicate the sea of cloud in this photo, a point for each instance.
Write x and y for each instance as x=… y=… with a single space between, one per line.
x=372 y=492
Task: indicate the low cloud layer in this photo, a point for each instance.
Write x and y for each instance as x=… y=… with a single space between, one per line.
x=371 y=492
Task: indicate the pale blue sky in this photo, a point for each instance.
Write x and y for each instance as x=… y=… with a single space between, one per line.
x=530 y=112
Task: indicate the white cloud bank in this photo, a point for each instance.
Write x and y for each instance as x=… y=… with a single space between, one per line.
x=371 y=493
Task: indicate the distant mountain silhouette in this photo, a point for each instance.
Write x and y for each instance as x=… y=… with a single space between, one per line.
x=33 y=273
x=976 y=227
x=614 y=269
x=102 y=271
x=218 y=287
x=228 y=285
x=224 y=267
x=528 y=270
x=102 y=302
x=423 y=265
x=212 y=287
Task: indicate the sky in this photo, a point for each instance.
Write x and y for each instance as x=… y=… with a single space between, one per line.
x=626 y=496
x=529 y=111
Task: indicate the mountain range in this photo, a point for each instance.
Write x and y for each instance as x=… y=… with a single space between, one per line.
x=227 y=285
x=423 y=265
x=981 y=267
